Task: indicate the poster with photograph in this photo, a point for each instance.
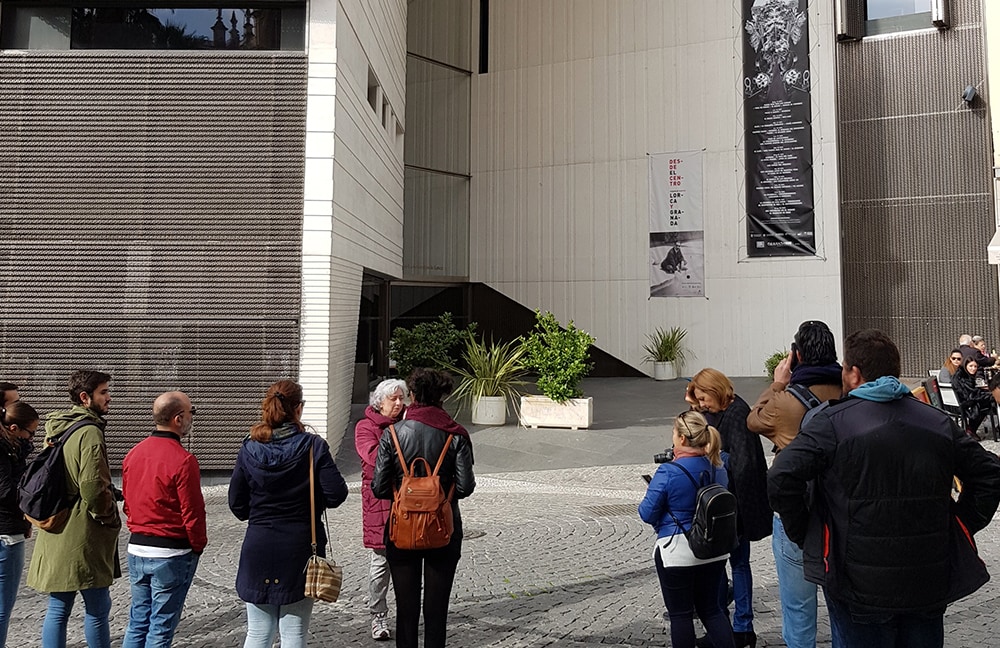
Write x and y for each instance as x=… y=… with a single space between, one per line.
x=777 y=117
x=676 y=225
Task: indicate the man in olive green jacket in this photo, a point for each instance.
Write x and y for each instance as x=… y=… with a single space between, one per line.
x=83 y=555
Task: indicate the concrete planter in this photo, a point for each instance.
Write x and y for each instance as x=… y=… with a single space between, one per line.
x=489 y=410
x=664 y=371
x=541 y=411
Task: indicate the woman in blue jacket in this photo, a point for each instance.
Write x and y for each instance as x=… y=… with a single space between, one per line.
x=688 y=584
x=270 y=489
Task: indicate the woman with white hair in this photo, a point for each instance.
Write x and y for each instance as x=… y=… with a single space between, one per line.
x=385 y=407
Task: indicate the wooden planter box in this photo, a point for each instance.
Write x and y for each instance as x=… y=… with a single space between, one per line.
x=541 y=411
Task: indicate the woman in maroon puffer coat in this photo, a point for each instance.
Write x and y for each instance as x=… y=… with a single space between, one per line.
x=386 y=406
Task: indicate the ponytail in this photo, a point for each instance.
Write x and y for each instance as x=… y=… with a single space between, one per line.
x=713 y=449
x=692 y=426
x=280 y=406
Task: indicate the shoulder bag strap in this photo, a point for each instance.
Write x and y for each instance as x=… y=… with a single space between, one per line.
x=399 y=451
x=312 y=499
x=671 y=513
x=686 y=472
x=444 y=452
x=64 y=437
x=437 y=467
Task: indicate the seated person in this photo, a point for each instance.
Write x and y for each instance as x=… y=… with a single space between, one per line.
x=976 y=402
x=674 y=261
x=950 y=366
x=982 y=358
x=994 y=388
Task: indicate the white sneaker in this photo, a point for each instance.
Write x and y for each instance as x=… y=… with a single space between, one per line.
x=380 y=627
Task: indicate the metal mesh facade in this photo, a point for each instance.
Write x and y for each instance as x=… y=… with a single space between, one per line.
x=151 y=219
x=915 y=187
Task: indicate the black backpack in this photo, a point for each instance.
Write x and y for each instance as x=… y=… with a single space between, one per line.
x=713 y=528
x=41 y=493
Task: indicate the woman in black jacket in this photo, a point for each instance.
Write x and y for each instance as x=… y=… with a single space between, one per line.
x=424 y=433
x=18 y=422
x=975 y=402
x=747 y=480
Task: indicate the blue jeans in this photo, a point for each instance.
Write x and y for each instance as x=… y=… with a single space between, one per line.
x=159 y=587
x=291 y=621
x=97 y=607
x=739 y=562
x=798 y=596
x=687 y=590
x=11 y=566
x=853 y=630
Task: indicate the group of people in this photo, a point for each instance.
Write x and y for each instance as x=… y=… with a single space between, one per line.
x=966 y=370
x=861 y=489
x=277 y=464
x=78 y=553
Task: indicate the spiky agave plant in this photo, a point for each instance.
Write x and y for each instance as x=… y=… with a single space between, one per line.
x=489 y=369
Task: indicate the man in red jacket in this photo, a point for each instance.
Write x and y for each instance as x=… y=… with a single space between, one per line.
x=166 y=515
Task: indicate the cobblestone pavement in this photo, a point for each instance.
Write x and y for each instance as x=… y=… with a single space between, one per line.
x=554 y=558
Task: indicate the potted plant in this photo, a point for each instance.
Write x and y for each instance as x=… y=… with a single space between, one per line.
x=771 y=362
x=665 y=349
x=489 y=378
x=560 y=357
x=429 y=344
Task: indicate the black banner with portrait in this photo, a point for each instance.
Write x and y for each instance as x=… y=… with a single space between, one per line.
x=777 y=112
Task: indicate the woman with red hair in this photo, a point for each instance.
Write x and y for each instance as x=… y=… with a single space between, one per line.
x=747 y=480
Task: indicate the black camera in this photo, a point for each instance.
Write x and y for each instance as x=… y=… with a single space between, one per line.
x=664 y=457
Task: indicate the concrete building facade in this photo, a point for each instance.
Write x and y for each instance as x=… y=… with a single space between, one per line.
x=264 y=198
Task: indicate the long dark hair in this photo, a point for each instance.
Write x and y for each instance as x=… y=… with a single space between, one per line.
x=279 y=406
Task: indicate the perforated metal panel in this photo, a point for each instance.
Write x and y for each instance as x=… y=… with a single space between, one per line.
x=915 y=186
x=151 y=219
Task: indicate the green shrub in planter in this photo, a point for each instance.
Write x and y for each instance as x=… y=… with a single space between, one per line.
x=430 y=344
x=771 y=363
x=559 y=356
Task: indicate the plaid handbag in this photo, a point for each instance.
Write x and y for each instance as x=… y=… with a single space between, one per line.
x=323 y=577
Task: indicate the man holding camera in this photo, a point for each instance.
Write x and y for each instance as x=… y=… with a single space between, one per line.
x=809 y=376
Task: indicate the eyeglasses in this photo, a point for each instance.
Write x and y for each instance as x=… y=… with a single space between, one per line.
x=956 y=358
x=193 y=410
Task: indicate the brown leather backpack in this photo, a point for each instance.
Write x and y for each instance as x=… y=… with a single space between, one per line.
x=421 y=516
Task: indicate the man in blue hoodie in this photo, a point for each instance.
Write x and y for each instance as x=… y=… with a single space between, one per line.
x=881 y=532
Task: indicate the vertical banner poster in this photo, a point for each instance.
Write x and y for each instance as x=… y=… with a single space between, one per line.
x=777 y=112
x=676 y=229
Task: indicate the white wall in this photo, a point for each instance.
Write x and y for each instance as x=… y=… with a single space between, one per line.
x=353 y=190
x=578 y=93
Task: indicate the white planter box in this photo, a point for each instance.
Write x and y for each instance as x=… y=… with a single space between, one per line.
x=490 y=410
x=541 y=411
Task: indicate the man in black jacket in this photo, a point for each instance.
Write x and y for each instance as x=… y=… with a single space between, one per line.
x=879 y=532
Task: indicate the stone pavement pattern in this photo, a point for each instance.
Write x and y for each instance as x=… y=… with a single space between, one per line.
x=554 y=557
x=562 y=561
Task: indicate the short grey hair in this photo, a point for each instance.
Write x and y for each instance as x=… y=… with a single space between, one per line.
x=977 y=338
x=965 y=339
x=387 y=388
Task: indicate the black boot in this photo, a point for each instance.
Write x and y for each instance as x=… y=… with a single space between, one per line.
x=745 y=639
x=703 y=642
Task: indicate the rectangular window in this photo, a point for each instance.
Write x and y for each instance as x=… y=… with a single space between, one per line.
x=887 y=16
x=136 y=28
x=372 y=89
